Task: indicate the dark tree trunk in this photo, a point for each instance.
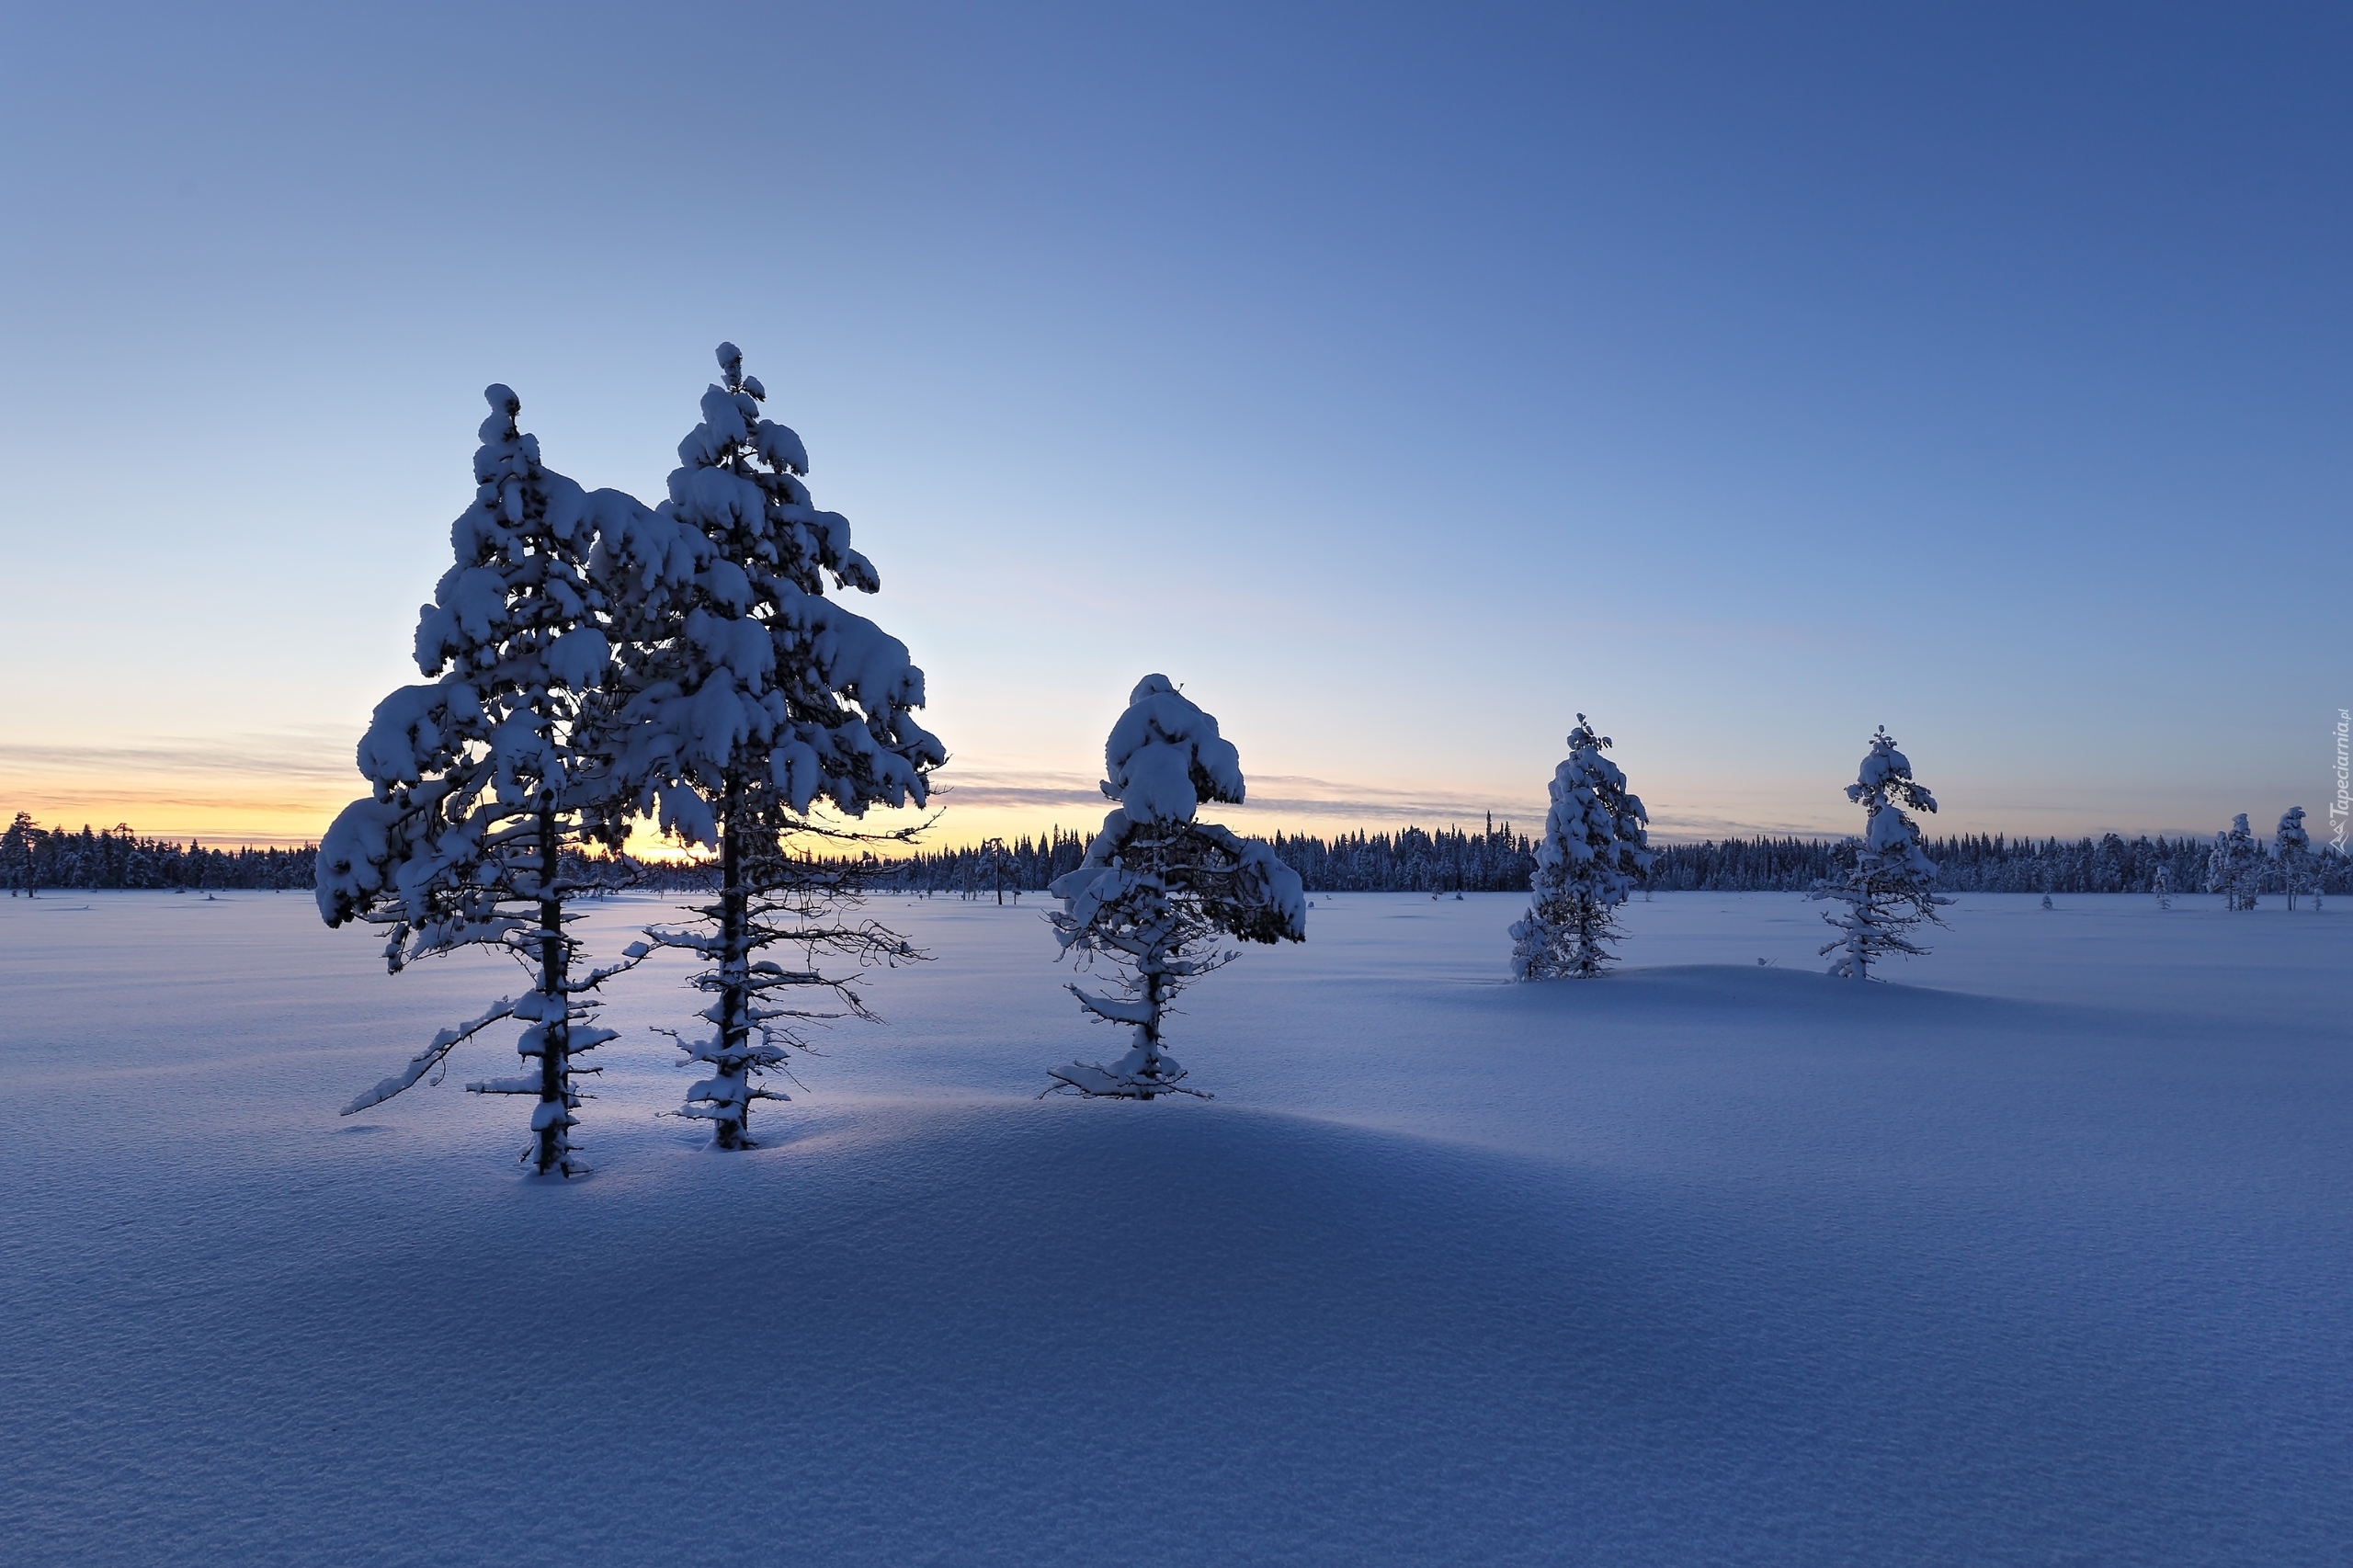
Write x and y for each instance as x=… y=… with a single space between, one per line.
x=555 y=1075
x=734 y=962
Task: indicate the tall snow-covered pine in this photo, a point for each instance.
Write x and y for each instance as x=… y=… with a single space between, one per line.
x=2291 y=847
x=746 y=708
x=473 y=803
x=1596 y=843
x=2235 y=869
x=20 y=851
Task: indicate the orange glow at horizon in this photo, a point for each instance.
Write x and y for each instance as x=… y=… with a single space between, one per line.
x=270 y=797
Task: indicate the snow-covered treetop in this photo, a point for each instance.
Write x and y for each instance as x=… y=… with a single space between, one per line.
x=2292 y=838
x=1587 y=767
x=513 y=640
x=1592 y=815
x=1164 y=757
x=763 y=504
x=1885 y=778
x=1883 y=786
x=750 y=672
x=512 y=618
x=515 y=567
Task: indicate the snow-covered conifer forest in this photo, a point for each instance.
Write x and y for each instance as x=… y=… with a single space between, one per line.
x=1450 y=859
x=2033 y=1246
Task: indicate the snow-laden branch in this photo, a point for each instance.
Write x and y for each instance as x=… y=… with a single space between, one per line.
x=1113 y=1009
x=425 y=1060
x=632 y=956
x=1126 y=1080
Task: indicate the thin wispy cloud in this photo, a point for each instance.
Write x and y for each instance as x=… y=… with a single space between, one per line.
x=316 y=755
x=1271 y=795
x=269 y=787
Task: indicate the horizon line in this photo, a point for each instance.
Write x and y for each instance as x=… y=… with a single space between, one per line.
x=229 y=841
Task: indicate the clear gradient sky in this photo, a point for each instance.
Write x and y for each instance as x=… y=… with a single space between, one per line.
x=1403 y=381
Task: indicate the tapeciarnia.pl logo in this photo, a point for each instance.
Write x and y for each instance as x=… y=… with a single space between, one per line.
x=2341 y=808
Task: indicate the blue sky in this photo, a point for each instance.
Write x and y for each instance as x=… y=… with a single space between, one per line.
x=1403 y=381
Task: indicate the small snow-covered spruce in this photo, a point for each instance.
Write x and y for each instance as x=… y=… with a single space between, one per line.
x=752 y=713
x=460 y=841
x=1596 y=844
x=2291 y=846
x=2162 y=884
x=1159 y=890
x=1889 y=885
x=2235 y=869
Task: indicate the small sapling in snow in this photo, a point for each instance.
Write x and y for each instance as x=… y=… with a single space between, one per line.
x=1888 y=883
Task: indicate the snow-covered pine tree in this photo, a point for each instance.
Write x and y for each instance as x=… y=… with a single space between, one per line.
x=1596 y=843
x=1889 y=885
x=1158 y=889
x=2162 y=884
x=747 y=707
x=460 y=841
x=993 y=864
x=2235 y=867
x=2291 y=846
x=22 y=844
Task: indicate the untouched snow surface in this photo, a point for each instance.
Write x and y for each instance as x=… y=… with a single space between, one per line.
x=1706 y=1262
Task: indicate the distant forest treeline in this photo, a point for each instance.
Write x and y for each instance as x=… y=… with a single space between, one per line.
x=34 y=856
x=1450 y=860
x=1498 y=860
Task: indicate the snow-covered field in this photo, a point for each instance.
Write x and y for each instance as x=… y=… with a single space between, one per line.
x=1710 y=1262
